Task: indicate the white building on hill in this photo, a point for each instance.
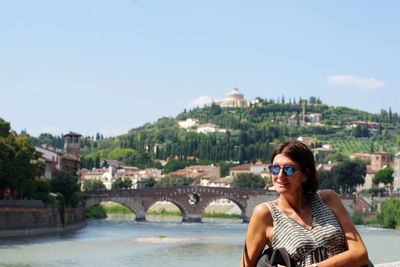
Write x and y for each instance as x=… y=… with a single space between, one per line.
x=234 y=99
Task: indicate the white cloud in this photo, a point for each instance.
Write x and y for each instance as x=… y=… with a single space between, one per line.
x=200 y=102
x=352 y=81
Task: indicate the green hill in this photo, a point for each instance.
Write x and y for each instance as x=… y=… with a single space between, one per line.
x=251 y=135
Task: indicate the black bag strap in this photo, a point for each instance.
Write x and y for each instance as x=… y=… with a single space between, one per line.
x=244 y=252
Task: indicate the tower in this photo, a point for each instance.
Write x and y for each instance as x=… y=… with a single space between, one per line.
x=72 y=145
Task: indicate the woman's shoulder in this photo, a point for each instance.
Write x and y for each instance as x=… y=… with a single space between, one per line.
x=263 y=211
x=329 y=197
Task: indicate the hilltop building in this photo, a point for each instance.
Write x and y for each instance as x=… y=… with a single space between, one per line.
x=234 y=99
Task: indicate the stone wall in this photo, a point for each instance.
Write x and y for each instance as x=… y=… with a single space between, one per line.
x=30 y=217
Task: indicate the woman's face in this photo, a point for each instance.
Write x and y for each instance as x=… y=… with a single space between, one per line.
x=287 y=184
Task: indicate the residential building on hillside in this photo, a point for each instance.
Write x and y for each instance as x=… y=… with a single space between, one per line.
x=321 y=152
x=371 y=125
x=114 y=163
x=258 y=168
x=106 y=175
x=221 y=182
x=136 y=176
x=202 y=174
x=396 y=174
x=379 y=161
x=51 y=159
x=362 y=156
x=306 y=140
x=209 y=128
x=243 y=168
x=326 y=167
x=292 y=120
x=234 y=99
x=188 y=123
x=127 y=169
x=314 y=118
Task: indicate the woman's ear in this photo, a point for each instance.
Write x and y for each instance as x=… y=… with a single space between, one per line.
x=306 y=174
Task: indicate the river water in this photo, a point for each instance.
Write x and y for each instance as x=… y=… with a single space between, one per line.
x=116 y=243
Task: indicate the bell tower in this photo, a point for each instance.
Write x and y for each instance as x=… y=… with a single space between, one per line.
x=72 y=145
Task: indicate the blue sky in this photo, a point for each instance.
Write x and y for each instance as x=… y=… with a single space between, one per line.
x=108 y=66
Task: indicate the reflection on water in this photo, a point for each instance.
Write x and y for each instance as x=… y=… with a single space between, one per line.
x=169 y=218
x=120 y=217
x=163 y=218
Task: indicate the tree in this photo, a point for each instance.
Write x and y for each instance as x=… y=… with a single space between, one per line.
x=97 y=161
x=174 y=165
x=4 y=128
x=92 y=185
x=384 y=176
x=121 y=183
x=389 y=216
x=248 y=180
x=17 y=171
x=146 y=183
x=42 y=191
x=348 y=174
x=66 y=185
x=174 y=180
x=327 y=180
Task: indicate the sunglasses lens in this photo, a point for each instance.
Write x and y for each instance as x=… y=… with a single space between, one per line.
x=274 y=169
x=289 y=171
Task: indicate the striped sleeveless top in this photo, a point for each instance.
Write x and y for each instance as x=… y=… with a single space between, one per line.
x=308 y=246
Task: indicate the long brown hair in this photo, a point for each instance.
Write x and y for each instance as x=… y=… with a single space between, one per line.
x=301 y=154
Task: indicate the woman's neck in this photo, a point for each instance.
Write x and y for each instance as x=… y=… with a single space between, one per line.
x=296 y=202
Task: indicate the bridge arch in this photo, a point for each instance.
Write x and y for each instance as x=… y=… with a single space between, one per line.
x=215 y=199
x=167 y=199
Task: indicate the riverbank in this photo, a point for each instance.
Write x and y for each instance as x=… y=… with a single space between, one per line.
x=33 y=217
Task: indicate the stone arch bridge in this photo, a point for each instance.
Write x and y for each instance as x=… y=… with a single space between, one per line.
x=191 y=201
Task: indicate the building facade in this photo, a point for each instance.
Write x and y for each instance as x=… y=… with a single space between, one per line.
x=234 y=99
x=396 y=174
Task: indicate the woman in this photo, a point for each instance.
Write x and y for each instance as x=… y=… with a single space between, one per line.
x=312 y=225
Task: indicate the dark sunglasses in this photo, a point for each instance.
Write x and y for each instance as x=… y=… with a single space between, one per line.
x=287 y=170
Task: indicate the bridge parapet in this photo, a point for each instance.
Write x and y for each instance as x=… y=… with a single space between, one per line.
x=192 y=201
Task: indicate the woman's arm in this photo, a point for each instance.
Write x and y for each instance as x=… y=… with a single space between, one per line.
x=356 y=253
x=259 y=233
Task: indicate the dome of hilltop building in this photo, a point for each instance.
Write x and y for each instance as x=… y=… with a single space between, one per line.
x=234 y=99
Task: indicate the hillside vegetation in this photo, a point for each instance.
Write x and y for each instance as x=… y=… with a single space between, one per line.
x=251 y=135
